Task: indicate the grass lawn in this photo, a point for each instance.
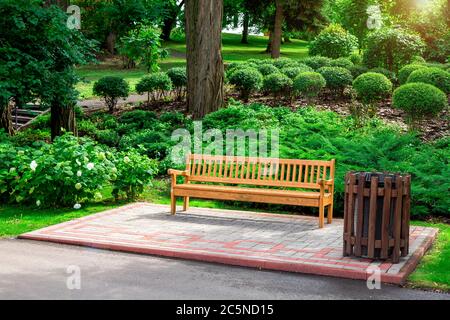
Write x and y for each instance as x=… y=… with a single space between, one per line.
x=233 y=50
x=434 y=269
x=432 y=272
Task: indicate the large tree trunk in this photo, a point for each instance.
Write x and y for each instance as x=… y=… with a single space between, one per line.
x=277 y=30
x=111 y=42
x=62 y=119
x=204 y=58
x=245 y=24
x=6 y=118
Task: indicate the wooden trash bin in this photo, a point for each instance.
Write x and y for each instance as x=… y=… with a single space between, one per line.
x=376 y=215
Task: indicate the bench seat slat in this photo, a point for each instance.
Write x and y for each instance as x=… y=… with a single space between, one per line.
x=262 y=191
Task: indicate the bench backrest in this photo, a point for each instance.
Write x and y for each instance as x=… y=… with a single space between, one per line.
x=259 y=171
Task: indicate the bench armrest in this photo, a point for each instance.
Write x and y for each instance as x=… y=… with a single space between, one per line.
x=174 y=172
x=329 y=182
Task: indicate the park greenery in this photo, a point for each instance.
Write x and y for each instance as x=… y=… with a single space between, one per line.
x=312 y=54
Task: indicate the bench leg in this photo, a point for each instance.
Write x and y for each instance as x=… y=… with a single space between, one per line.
x=321 y=215
x=185 y=203
x=330 y=214
x=173 y=203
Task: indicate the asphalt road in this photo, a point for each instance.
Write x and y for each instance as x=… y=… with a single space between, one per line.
x=38 y=270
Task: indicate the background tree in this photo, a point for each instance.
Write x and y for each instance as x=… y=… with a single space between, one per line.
x=172 y=9
x=353 y=17
x=108 y=21
x=37 y=57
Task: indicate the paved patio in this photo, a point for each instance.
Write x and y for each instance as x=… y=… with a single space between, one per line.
x=260 y=240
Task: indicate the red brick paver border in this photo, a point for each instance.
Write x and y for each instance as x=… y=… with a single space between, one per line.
x=260 y=240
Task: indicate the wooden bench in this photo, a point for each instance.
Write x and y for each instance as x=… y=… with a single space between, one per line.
x=302 y=182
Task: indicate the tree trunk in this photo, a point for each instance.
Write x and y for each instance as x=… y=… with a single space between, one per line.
x=205 y=69
x=269 y=44
x=62 y=120
x=6 y=118
x=167 y=27
x=111 y=42
x=277 y=30
x=63 y=4
x=170 y=20
x=245 y=24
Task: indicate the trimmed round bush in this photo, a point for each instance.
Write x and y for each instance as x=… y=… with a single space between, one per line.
x=372 y=87
x=309 y=84
x=280 y=63
x=317 y=62
x=355 y=58
x=342 y=62
x=304 y=67
x=291 y=72
x=178 y=76
x=419 y=100
x=333 y=42
x=357 y=70
x=404 y=72
x=111 y=89
x=246 y=81
x=154 y=84
x=267 y=69
x=337 y=78
x=391 y=48
x=434 y=76
x=277 y=83
x=390 y=75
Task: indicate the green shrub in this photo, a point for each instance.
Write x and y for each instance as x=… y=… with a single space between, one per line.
x=356 y=58
x=246 y=81
x=280 y=63
x=65 y=173
x=309 y=84
x=111 y=89
x=337 y=78
x=86 y=127
x=277 y=84
x=404 y=72
x=388 y=74
x=434 y=76
x=342 y=62
x=372 y=87
x=29 y=137
x=419 y=100
x=357 y=70
x=107 y=137
x=137 y=120
x=155 y=144
x=155 y=85
x=391 y=48
x=291 y=72
x=317 y=62
x=267 y=69
x=333 y=42
x=173 y=119
x=178 y=76
x=134 y=172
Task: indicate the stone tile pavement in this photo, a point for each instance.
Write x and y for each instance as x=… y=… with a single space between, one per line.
x=260 y=240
